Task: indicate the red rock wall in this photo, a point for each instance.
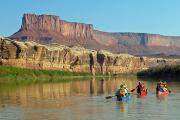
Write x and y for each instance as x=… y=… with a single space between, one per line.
x=47 y=29
x=48 y=23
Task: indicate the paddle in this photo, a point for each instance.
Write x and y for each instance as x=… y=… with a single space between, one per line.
x=133 y=90
x=109 y=97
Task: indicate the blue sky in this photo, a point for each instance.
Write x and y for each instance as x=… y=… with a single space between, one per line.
x=146 y=16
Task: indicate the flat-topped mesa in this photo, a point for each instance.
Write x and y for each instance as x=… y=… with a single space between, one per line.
x=48 y=29
x=32 y=22
x=53 y=24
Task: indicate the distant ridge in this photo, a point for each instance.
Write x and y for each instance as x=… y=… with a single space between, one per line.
x=47 y=29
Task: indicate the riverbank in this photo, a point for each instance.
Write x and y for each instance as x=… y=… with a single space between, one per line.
x=11 y=77
x=161 y=72
x=9 y=72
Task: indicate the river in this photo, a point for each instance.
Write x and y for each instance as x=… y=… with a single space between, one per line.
x=85 y=100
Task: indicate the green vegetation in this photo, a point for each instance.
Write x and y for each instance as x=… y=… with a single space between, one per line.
x=161 y=72
x=12 y=78
x=8 y=72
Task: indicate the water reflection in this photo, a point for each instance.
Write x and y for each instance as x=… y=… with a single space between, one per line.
x=80 y=99
x=163 y=99
x=123 y=107
x=93 y=87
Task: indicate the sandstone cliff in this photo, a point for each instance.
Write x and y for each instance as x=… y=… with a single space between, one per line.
x=48 y=23
x=139 y=43
x=78 y=59
x=51 y=29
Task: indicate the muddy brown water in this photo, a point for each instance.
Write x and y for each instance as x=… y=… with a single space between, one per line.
x=85 y=100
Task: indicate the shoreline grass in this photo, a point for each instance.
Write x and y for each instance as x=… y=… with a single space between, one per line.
x=9 y=72
x=13 y=77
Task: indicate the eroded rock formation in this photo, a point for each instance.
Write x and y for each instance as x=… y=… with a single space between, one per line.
x=48 y=29
x=78 y=59
x=51 y=29
x=48 y=23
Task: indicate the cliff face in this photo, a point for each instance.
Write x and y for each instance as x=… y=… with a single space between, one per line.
x=139 y=43
x=143 y=39
x=77 y=59
x=48 y=23
x=51 y=29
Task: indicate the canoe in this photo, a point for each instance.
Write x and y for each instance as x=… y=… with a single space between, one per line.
x=143 y=93
x=124 y=98
x=164 y=93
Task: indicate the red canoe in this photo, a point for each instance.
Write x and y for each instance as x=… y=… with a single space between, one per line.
x=143 y=93
x=164 y=93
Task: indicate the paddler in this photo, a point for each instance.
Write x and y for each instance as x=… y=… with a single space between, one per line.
x=122 y=91
x=159 y=85
x=162 y=86
x=140 y=87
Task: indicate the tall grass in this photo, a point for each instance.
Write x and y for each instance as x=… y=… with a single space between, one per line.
x=163 y=71
x=21 y=73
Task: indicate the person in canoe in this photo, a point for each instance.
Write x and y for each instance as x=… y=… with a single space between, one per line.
x=122 y=91
x=162 y=86
x=141 y=89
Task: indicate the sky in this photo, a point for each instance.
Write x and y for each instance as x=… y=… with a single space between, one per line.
x=143 y=16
